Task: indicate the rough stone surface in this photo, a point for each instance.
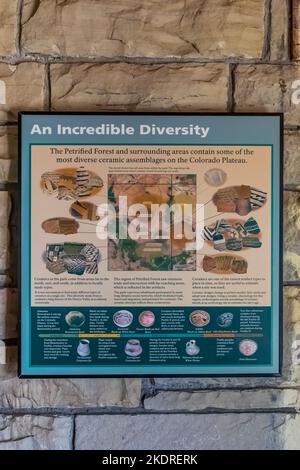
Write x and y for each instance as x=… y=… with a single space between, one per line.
x=292 y=158
x=35 y=433
x=279 y=30
x=150 y=28
x=291 y=359
x=69 y=393
x=64 y=393
x=296 y=29
x=23 y=88
x=9 y=368
x=268 y=88
x=5 y=208
x=8 y=154
x=179 y=431
x=8 y=27
x=8 y=313
x=226 y=400
x=5 y=280
x=290 y=433
x=139 y=87
x=292 y=235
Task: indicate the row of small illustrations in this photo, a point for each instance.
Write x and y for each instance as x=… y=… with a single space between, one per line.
x=133 y=348
x=124 y=318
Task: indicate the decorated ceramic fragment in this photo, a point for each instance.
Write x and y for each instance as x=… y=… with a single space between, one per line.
x=71 y=183
x=240 y=199
x=251 y=226
x=215 y=177
x=84 y=210
x=133 y=348
x=235 y=234
x=251 y=242
x=75 y=258
x=225 y=319
x=248 y=347
x=224 y=264
x=219 y=242
x=147 y=319
x=75 y=318
x=61 y=225
x=123 y=318
x=200 y=318
x=233 y=244
x=191 y=348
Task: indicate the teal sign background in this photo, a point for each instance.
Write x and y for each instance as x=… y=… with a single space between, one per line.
x=241 y=130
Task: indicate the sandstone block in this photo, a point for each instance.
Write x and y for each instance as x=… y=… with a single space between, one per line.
x=296 y=29
x=291 y=359
x=139 y=87
x=185 y=432
x=8 y=154
x=291 y=160
x=64 y=393
x=269 y=88
x=279 y=39
x=5 y=208
x=173 y=28
x=292 y=235
x=8 y=313
x=35 y=433
x=21 y=89
x=8 y=27
x=227 y=400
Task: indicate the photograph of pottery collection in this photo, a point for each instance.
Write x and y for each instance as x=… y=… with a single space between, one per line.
x=230 y=235
x=74 y=185
x=152 y=254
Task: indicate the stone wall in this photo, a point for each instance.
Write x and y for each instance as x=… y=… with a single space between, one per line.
x=171 y=55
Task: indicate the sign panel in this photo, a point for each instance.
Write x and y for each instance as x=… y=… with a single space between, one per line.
x=150 y=244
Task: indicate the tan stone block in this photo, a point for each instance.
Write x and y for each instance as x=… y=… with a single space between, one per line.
x=8 y=313
x=70 y=393
x=8 y=154
x=139 y=87
x=291 y=159
x=186 y=431
x=5 y=208
x=279 y=41
x=64 y=393
x=268 y=88
x=8 y=370
x=228 y=400
x=291 y=236
x=35 y=432
x=152 y=28
x=290 y=434
x=23 y=88
x=296 y=29
x=291 y=335
x=8 y=26
x=291 y=364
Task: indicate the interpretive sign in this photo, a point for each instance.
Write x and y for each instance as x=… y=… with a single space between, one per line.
x=150 y=244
